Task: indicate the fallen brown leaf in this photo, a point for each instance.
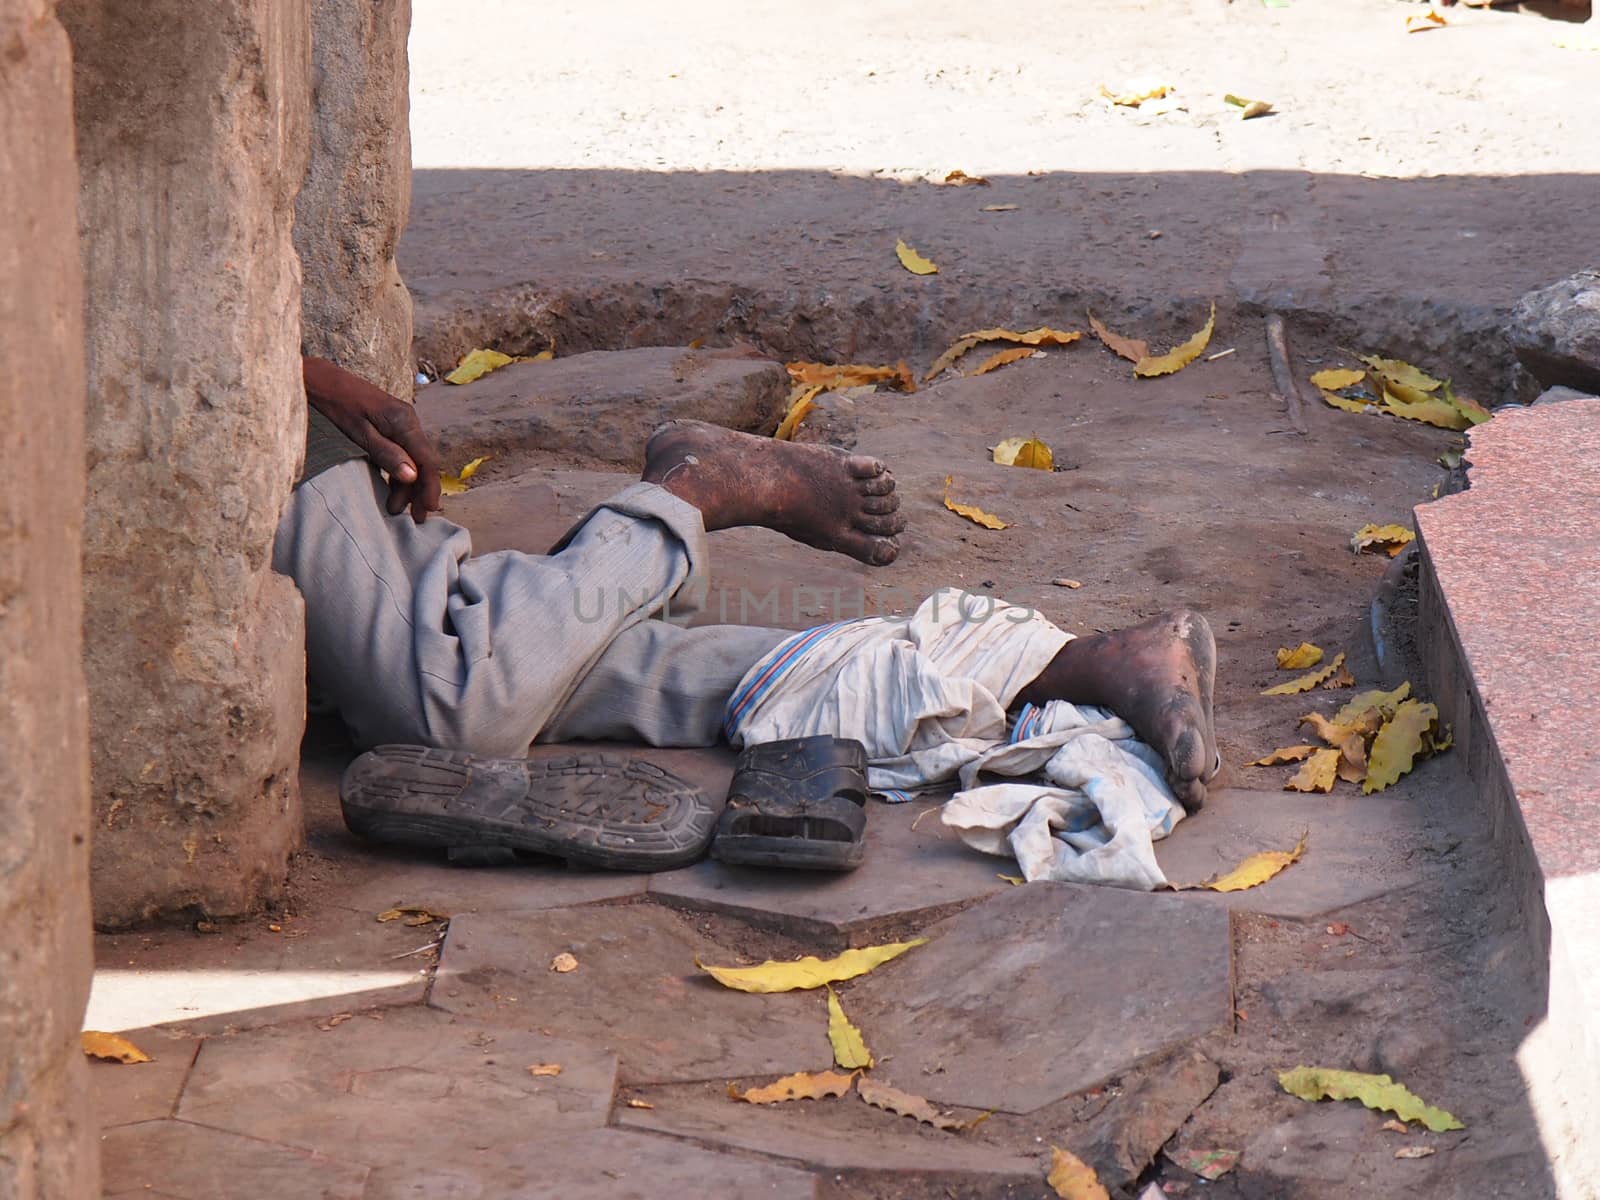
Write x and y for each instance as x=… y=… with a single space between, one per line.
x=545 y=1069
x=563 y=962
x=892 y=1099
x=1129 y=348
x=111 y=1047
x=1073 y=1179
x=804 y=1085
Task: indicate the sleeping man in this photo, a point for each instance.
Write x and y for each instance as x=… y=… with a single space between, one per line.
x=456 y=663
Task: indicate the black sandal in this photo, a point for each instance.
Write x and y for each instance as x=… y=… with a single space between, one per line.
x=594 y=810
x=799 y=803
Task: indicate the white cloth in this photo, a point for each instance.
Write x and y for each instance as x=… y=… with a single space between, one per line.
x=928 y=697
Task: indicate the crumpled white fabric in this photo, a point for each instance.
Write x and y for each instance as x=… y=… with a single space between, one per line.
x=928 y=696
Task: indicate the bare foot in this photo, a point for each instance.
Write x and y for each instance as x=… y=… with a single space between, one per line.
x=1156 y=676
x=819 y=495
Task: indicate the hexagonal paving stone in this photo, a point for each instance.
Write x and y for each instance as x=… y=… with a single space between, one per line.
x=1045 y=991
x=1359 y=847
x=907 y=871
x=636 y=991
x=604 y=1164
x=188 y=1162
x=414 y=1087
x=124 y=1093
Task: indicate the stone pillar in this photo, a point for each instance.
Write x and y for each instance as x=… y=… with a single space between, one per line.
x=48 y=1145
x=357 y=192
x=192 y=133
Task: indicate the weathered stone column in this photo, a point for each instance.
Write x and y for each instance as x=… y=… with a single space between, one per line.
x=357 y=192
x=48 y=1146
x=192 y=134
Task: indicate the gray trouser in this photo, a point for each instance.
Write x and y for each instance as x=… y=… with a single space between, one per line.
x=415 y=640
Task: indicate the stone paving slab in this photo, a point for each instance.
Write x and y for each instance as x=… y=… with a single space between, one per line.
x=1044 y=991
x=601 y=1164
x=1357 y=847
x=602 y=405
x=665 y=1020
x=838 y=1135
x=407 y=1087
x=190 y=1162
x=907 y=871
x=126 y=1093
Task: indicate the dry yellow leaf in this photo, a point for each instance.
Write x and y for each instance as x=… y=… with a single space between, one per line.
x=1074 y=584
x=1474 y=412
x=1136 y=92
x=849 y=1047
x=1256 y=869
x=111 y=1047
x=959 y=178
x=1316 y=775
x=800 y=404
x=635 y=1102
x=1308 y=681
x=1336 y=378
x=1341 y=679
x=834 y=377
x=1395 y=1126
x=1334 y=733
x=1129 y=348
x=971 y=511
x=454 y=485
x=1384 y=702
x=1375 y=1091
x=1288 y=754
x=1042 y=336
x=807 y=972
x=1419 y=22
x=413 y=915
x=545 y=1070
x=1024 y=452
x=477 y=363
x=999 y=208
x=1355 y=406
x=1002 y=357
x=1353 y=758
x=892 y=1099
x=1302 y=656
x=1432 y=411
x=1393 y=538
x=1398 y=744
x=805 y=1085
x=1072 y=1178
x=1400 y=377
x=1413 y=1152
x=1182 y=356
x=1248 y=108
x=912 y=261
x=562 y=963
x=1013 y=880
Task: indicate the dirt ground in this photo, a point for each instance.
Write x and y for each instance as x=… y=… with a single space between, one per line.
x=653 y=174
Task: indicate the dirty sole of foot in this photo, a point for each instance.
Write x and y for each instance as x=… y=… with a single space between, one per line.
x=592 y=809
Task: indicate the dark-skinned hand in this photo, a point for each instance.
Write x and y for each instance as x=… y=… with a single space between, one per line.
x=386 y=427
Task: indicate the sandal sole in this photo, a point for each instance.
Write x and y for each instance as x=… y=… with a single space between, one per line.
x=592 y=809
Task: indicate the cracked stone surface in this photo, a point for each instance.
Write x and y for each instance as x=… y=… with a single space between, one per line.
x=677 y=1024
x=601 y=1164
x=1372 y=849
x=1093 y=980
x=190 y=1162
x=409 y=1087
x=841 y=1134
x=907 y=871
x=124 y=1094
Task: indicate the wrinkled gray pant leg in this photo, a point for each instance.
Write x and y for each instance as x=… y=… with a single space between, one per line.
x=663 y=685
x=414 y=640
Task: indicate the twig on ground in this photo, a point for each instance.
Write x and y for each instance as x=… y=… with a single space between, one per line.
x=1283 y=373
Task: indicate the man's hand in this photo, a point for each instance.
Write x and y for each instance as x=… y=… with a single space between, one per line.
x=385 y=427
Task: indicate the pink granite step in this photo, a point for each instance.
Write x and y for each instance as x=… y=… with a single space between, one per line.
x=1509 y=613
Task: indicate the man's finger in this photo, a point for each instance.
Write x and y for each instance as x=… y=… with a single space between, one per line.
x=390 y=457
x=400 y=495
